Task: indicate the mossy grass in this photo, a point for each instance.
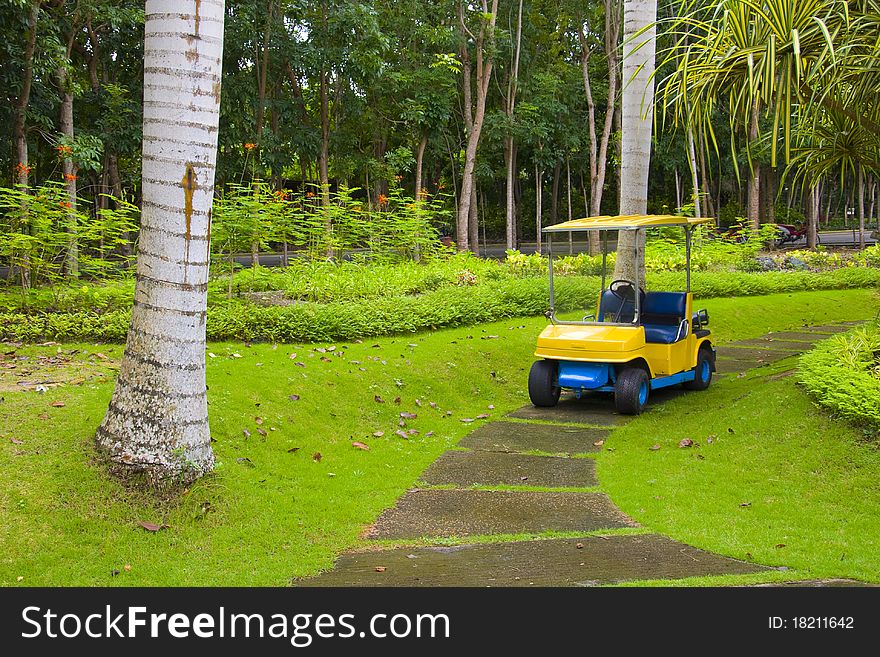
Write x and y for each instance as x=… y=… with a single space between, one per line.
x=273 y=510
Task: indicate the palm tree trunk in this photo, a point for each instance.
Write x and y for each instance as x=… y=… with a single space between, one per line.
x=157 y=422
x=754 y=211
x=813 y=196
x=861 y=206
x=68 y=170
x=637 y=112
x=509 y=146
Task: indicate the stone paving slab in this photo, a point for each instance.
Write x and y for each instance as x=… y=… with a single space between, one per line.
x=499 y=469
x=552 y=562
x=762 y=356
x=774 y=344
x=525 y=436
x=467 y=512
x=597 y=409
x=796 y=336
x=732 y=366
x=831 y=328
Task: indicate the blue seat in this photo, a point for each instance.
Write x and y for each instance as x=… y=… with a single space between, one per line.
x=610 y=304
x=662 y=313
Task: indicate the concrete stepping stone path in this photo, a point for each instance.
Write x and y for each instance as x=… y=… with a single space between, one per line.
x=453 y=506
x=466 y=468
x=586 y=561
x=531 y=437
x=448 y=513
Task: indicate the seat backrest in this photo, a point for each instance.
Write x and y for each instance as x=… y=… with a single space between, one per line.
x=609 y=305
x=664 y=307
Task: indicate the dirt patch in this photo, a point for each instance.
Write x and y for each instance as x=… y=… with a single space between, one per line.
x=49 y=365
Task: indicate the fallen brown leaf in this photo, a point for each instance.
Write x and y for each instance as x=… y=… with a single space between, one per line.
x=261 y=431
x=686 y=442
x=378 y=399
x=258 y=420
x=482 y=416
x=402 y=434
x=397 y=400
x=579 y=546
x=360 y=445
x=466 y=420
x=380 y=569
x=378 y=434
x=598 y=443
x=317 y=456
x=57 y=404
x=408 y=416
x=293 y=397
x=16 y=441
x=247 y=434
x=127 y=567
x=293 y=450
x=780 y=545
x=151 y=526
x=654 y=447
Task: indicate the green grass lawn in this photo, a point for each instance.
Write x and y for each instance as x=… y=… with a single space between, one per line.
x=290 y=491
x=770 y=477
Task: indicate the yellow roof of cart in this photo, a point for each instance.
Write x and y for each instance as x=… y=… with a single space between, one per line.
x=625 y=222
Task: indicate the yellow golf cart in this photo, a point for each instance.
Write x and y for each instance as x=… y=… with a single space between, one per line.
x=635 y=343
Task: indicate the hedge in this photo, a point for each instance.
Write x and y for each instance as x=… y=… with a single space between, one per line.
x=446 y=306
x=843 y=374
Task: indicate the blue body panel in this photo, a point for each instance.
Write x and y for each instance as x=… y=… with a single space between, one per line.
x=588 y=376
x=600 y=377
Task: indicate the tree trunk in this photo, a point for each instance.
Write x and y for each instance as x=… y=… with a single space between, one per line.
x=509 y=147
x=157 y=422
x=484 y=76
x=474 y=222
x=599 y=151
x=69 y=170
x=554 y=194
x=695 y=180
x=538 y=201
x=812 y=217
x=637 y=112
x=420 y=158
x=754 y=211
x=861 y=206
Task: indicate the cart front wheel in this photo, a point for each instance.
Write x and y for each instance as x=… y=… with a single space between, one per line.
x=544 y=383
x=631 y=391
x=702 y=371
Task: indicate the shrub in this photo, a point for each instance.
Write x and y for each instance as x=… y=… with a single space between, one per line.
x=843 y=374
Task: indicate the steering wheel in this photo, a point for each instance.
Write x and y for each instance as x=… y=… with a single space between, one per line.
x=623 y=289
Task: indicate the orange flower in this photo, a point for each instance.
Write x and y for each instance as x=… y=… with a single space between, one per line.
x=250 y=146
x=70 y=176
x=65 y=204
x=23 y=169
x=399 y=178
x=383 y=199
x=63 y=150
x=310 y=194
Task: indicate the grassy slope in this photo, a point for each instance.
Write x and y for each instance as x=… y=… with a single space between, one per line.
x=280 y=514
x=780 y=483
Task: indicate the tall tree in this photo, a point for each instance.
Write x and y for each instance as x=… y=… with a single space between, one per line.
x=484 y=56
x=509 y=144
x=637 y=113
x=157 y=422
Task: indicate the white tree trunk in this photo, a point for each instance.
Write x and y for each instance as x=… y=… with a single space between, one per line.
x=157 y=422
x=637 y=114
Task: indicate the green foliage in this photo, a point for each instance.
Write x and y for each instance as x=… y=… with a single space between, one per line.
x=38 y=229
x=843 y=374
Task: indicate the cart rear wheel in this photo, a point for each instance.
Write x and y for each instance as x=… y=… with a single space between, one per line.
x=631 y=391
x=702 y=371
x=544 y=383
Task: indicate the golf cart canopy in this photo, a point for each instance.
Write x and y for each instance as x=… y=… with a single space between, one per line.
x=626 y=222
x=620 y=222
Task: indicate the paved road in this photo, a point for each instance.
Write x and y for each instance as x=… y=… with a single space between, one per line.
x=836 y=238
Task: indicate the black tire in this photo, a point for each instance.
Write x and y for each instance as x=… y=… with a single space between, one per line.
x=631 y=391
x=702 y=371
x=544 y=383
